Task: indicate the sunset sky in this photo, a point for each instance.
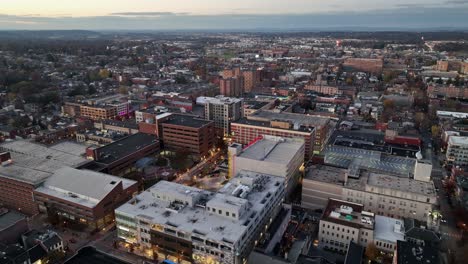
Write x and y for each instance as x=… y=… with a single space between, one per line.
x=203 y=14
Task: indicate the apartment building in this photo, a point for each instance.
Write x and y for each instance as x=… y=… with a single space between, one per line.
x=345 y=222
x=457 y=151
x=271 y=155
x=188 y=133
x=190 y=225
x=223 y=110
x=323 y=89
x=313 y=129
x=232 y=87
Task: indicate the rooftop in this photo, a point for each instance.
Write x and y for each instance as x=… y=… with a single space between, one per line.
x=388 y=229
x=402 y=184
x=375 y=161
x=348 y=214
x=326 y=173
x=245 y=121
x=273 y=149
x=219 y=100
x=124 y=147
x=9 y=218
x=32 y=163
x=129 y=123
x=457 y=140
x=195 y=211
x=187 y=120
x=295 y=119
x=82 y=187
x=90 y=255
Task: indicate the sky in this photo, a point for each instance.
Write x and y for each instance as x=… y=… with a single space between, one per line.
x=232 y=14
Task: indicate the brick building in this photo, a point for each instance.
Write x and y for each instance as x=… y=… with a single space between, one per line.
x=189 y=133
x=26 y=165
x=250 y=78
x=447 y=91
x=323 y=89
x=84 y=196
x=232 y=87
x=315 y=130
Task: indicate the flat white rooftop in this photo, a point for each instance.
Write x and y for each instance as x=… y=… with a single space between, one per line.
x=197 y=219
x=459 y=141
x=82 y=187
x=273 y=149
x=388 y=229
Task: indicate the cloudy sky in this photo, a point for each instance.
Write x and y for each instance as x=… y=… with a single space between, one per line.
x=232 y=14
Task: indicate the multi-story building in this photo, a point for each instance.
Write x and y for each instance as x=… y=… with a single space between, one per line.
x=251 y=79
x=71 y=109
x=457 y=151
x=26 y=165
x=344 y=222
x=447 y=91
x=315 y=130
x=223 y=110
x=118 y=158
x=125 y=127
x=83 y=196
x=150 y=121
x=188 y=133
x=108 y=107
x=323 y=89
x=382 y=194
x=251 y=107
x=232 y=87
x=98 y=112
x=272 y=155
x=189 y=225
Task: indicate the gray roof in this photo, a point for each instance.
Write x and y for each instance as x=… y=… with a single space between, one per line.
x=9 y=218
x=84 y=187
x=32 y=163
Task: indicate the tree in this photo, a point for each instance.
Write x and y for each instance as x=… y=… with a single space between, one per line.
x=389 y=104
x=372 y=252
x=92 y=90
x=439 y=81
x=180 y=79
x=104 y=73
x=435 y=130
x=123 y=90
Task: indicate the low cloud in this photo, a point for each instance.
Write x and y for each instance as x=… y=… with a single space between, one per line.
x=409 y=17
x=456 y=2
x=136 y=14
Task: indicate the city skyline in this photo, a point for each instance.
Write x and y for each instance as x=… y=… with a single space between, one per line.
x=193 y=15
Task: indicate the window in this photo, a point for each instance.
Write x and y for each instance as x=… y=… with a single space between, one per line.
x=227 y=213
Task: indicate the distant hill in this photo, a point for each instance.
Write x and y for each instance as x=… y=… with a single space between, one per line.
x=49 y=34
